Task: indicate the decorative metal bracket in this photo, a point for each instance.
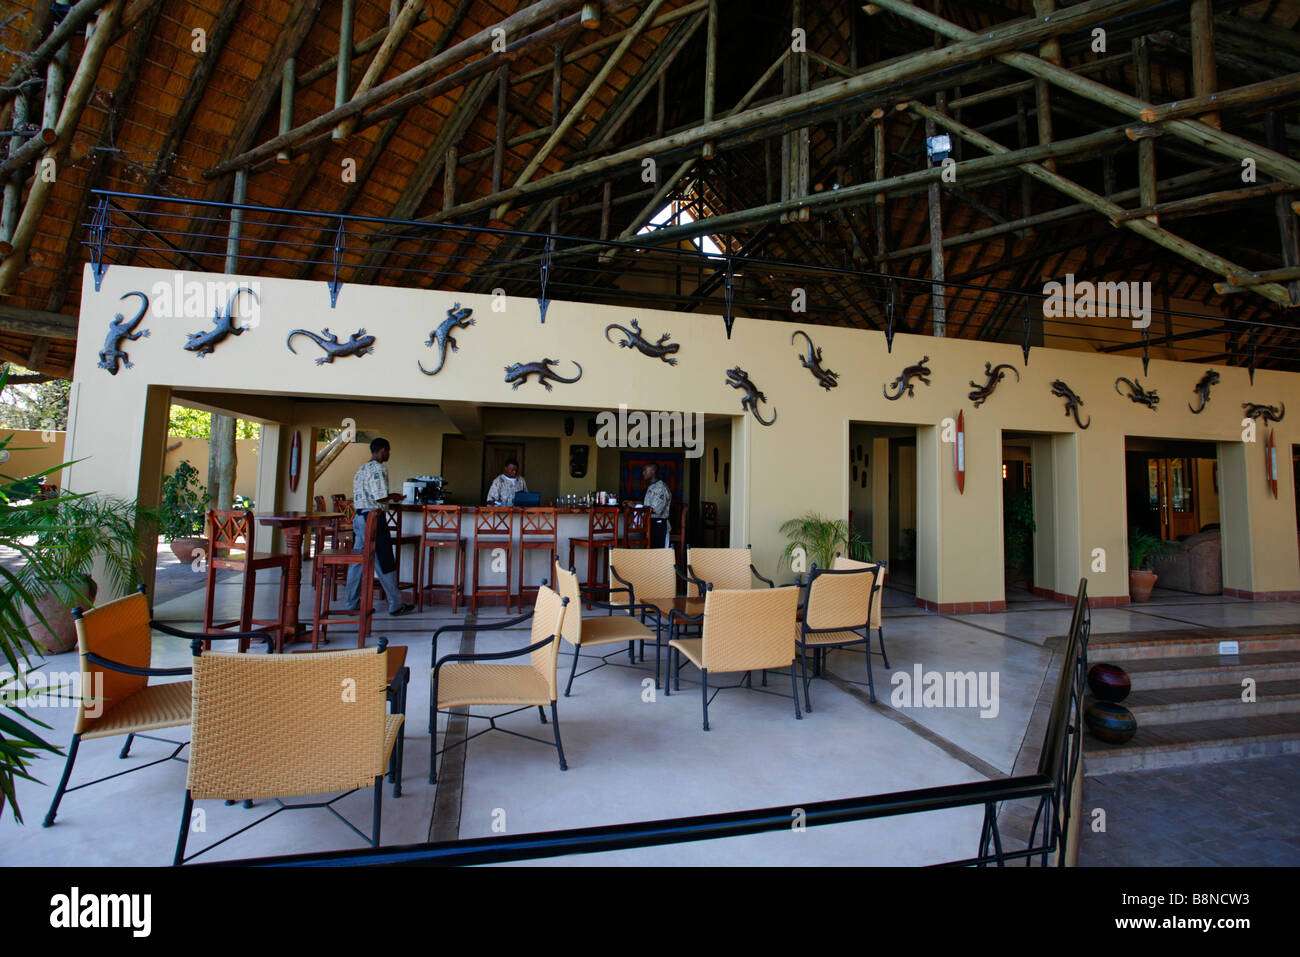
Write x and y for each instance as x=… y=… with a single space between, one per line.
x=340 y=242
x=100 y=227
x=1025 y=346
x=1146 y=349
x=889 y=316
x=1254 y=346
x=728 y=292
x=542 y=302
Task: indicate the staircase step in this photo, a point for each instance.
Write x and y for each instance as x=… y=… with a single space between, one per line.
x=1203 y=643
x=1161 y=706
x=1195 y=742
x=1148 y=674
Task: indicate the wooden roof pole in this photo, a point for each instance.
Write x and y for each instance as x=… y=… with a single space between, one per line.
x=1204 y=68
x=1216 y=141
x=593 y=87
x=83 y=83
x=1189 y=251
x=1049 y=50
x=77 y=17
x=1240 y=96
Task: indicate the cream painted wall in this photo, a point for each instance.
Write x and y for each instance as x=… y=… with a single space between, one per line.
x=800 y=463
x=32 y=451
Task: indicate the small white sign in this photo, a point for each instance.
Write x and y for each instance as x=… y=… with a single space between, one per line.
x=1228 y=648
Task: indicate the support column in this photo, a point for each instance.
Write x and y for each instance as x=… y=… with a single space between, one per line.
x=1042 y=482
x=880 y=499
x=1260 y=554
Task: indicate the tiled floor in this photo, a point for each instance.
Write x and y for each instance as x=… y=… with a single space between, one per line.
x=1242 y=813
x=632 y=756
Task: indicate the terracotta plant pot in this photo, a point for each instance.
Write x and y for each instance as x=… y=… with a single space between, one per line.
x=61 y=635
x=1140 y=584
x=183 y=548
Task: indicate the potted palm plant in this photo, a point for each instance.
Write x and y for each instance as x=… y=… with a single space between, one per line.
x=182 y=508
x=1143 y=549
x=821 y=538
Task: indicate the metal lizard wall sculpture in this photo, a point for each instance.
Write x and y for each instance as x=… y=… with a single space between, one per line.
x=812 y=361
x=457 y=318
x=1269 y=413
x=1072 y=401
x=633 y=339
x=518 y=372
x=358 y=345
x=120 y=330
x=737 y=378
x=993 y=375
x=920 y=372
x=205 y=343
x=1202 y=389
x=1138 y=394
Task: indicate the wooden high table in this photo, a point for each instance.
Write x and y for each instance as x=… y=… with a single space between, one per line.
x=294 y=525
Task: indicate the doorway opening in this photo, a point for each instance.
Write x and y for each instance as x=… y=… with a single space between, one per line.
x=882 y=484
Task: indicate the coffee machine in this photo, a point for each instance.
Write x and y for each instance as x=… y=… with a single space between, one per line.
x=424 y=490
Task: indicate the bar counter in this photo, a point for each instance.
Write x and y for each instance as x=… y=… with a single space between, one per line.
x=573 y=523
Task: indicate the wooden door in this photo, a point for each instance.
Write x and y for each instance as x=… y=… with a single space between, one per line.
x=1171 y=486
x=495 y=457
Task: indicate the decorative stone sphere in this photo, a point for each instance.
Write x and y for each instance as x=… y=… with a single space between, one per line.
x=1108 y=682
x=1110 y=722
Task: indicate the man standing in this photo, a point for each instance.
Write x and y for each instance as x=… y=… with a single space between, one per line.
x=370 y=492
x=659 y=499
x=507 y=485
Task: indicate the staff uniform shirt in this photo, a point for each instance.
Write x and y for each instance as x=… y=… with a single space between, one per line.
x=369 y=485
x=659 y=498
x=504 y=488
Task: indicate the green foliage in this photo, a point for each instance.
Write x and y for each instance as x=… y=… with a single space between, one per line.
x=1144 y=548
x=183 y=505
x=40 y=405
x=821 y=538
x=187 y=423
x=1018 y=528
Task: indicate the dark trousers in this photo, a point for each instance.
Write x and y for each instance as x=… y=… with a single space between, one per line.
x=658 y=532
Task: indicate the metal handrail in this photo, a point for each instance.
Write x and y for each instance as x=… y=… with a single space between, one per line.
x=1052 y=784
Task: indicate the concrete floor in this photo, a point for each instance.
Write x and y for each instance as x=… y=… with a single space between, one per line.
x=629 y=758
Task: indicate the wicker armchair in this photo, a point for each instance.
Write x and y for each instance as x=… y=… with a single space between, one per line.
x=115 y=642
x=837 y=614
x=743 y=630
x=876 y=622
x=726 y=569
x=462 y=680
x=639 y=578
x=596 y=630
x=302 y=737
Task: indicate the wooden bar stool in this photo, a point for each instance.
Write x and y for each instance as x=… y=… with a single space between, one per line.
x=493 y=529
x=344 y=541
x=394 y=517
x=539 y=528
x=636 y=526
x=709 y=525
x=602 y=535
x=328 y=563
x=440 y=529
x=324 y=534
x=231 y=547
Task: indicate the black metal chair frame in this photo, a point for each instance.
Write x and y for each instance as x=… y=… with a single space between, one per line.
x=393 y=774
x=437 y=663
x=646 y=609
x=632 y=609
x=75 y=746
x=820 y=654
x=819 y=651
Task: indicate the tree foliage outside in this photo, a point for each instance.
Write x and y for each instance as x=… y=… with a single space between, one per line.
x=37 y=406
x=187 y=423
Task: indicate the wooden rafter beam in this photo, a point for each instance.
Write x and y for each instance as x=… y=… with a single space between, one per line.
x=35 y=322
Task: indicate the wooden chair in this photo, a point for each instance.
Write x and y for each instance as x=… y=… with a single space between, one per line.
x=743 y=630
x=393 y=515
x=539 y=530
x=324 y=535
x=711 y=527
x=723 y=568
x=345 y=540
x=677 y=534
x=327 y=565
x=466 y=680
x=636 y=526
x=602 y=535
x=277 y=727
x=493 y=528
x=837 y=613
x=115 y=642
x=231 y=547
x=440 y=529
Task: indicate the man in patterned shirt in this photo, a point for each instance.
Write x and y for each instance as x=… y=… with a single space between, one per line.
x=659 y=499
x=369 y=492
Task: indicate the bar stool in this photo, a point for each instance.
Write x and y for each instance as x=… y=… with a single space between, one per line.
x=636 y=526
x=324 y=534
x=230 y=547
x=328 y=563
x=539 y=528
x=344 y=541
x=602 y=535
x=493 y=529
x=394 y=513
x=440 y=528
